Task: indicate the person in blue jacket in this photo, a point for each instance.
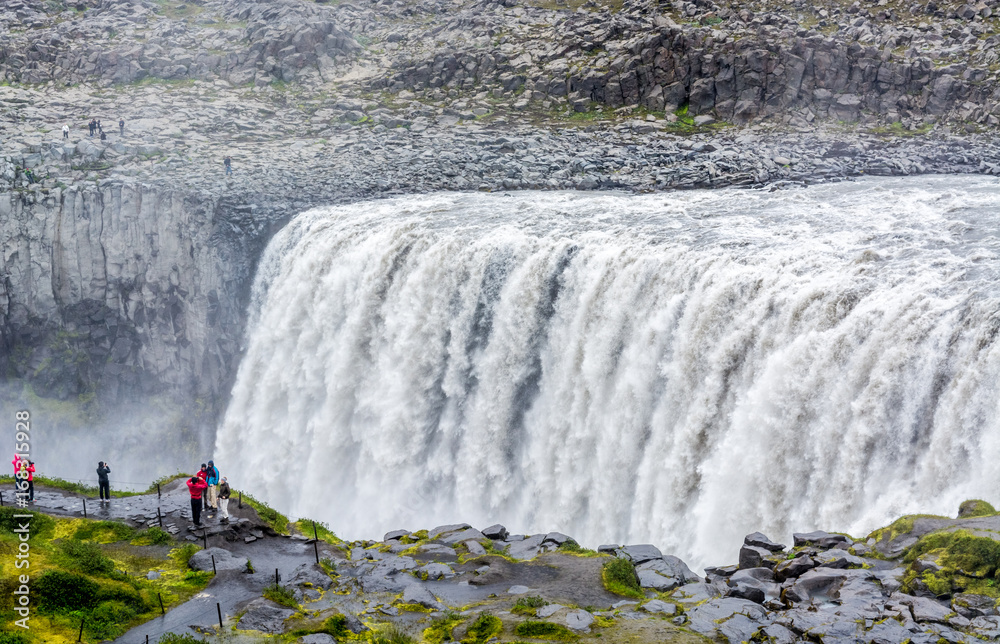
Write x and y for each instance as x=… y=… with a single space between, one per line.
x=213 y=487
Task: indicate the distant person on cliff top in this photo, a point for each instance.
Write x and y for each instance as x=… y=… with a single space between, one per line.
x=104 y=137
x=92 y=126
x=65 y=131
x=121 y=126
x=196 y=485
x=212 y=480
x=228 y=162
x=103 y=483
x=224 y=493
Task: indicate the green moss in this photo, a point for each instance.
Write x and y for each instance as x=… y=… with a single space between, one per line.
x=620 y=578
x=483 y=629
x=441 y=628
x=389 y=634
x=281 y=595
x=528 y=606
x=544 y=630
x=975 y=508
x=969 y=563
x=306 y=527
x=277 y=521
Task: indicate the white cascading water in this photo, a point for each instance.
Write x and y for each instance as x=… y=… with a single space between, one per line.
x=678 y=368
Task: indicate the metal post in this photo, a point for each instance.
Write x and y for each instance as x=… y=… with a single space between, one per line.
x=158 y=495
x=1 y=499
x=159 y=517
x=316 y=548
x=147 y=639
x=315 y=535
x=161 y=604
x=213 y=565
x=219 y=608
x=276 y=578
x=80 y=636
x=85 y=508
x=241 y=500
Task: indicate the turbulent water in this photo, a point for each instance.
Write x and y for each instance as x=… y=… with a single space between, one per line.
x=679 y=368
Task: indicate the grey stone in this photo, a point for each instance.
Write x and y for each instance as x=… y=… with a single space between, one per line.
x=518 y=590
x=970 y=605
x=557 y=538
x=417 y=594
x=759 y=540
x=495 y=531
x=549 y=610
x=224 y=560
x=821 y=539
x=836 y=558
x=463 y=535
x=395 y=534
x=658 y=606
x=265 y=616
x=444 y=529
x=579 y=620
x=641 y=553
x=754 y=557
x=311 y=574
x=317 y=638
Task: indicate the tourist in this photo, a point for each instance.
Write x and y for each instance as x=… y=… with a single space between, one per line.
x=65 y=131
x=224 y=493
x=212 y=479
x=228 y=162
x=104 y=137
x=121 y=126
x=91 y=126
x=203 y=475
x=102 y=482
x=31 y=481
x=196 y=485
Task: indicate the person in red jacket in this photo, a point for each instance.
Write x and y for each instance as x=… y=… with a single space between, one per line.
x=24 y=470
x=31 y=481
x=196 y=485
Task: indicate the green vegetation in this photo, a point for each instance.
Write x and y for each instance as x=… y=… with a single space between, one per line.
x=969 y=563
x=305 y=526
x=483 y=629
x=528 y=606
x=335 y=626
x=94 y=572
x=389 y=634
x=975 y=508
x=281 y=595
x=897 y=129
x=620 y=578
x=544 y=630
x=277 y=521
x=901 y=526
x=440 y=629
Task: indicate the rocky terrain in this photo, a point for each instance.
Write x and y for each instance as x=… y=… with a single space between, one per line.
x=127 y=261
x=921 y=579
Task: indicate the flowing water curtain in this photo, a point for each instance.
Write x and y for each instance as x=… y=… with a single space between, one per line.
x=679 y=369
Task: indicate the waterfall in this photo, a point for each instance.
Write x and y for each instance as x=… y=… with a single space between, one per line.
x=677 y=368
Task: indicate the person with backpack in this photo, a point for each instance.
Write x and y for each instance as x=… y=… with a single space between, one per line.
x=121 y=126
x=102 y=481
x=212 y=479
x=65 y=131
x=196 y=487
x=224 y=494
x=228 y=162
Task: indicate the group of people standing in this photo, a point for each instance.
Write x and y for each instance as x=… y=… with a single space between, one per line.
x=208 y=493
x=95 y=127
x=24 y=470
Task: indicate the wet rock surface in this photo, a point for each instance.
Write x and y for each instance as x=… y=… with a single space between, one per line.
x=816 y=593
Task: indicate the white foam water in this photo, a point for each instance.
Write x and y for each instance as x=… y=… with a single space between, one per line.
x=677 y=368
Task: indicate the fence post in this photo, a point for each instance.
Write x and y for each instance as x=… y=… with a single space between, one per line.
x=160 y=598
x=316 y=548
x=159 y=517
x=1 y=499
x=158 y=491
x=79 y=637
x=219 y=608
x=276 y=578
x=241 y=500
x=84 y=508
x=213 y=565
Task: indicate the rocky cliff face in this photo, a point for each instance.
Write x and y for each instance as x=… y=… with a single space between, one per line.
x=120 y=290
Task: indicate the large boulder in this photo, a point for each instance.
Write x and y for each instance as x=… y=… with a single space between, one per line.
x=265 y=616
x=224 y=560
x=758 y=540
x=640 y=553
